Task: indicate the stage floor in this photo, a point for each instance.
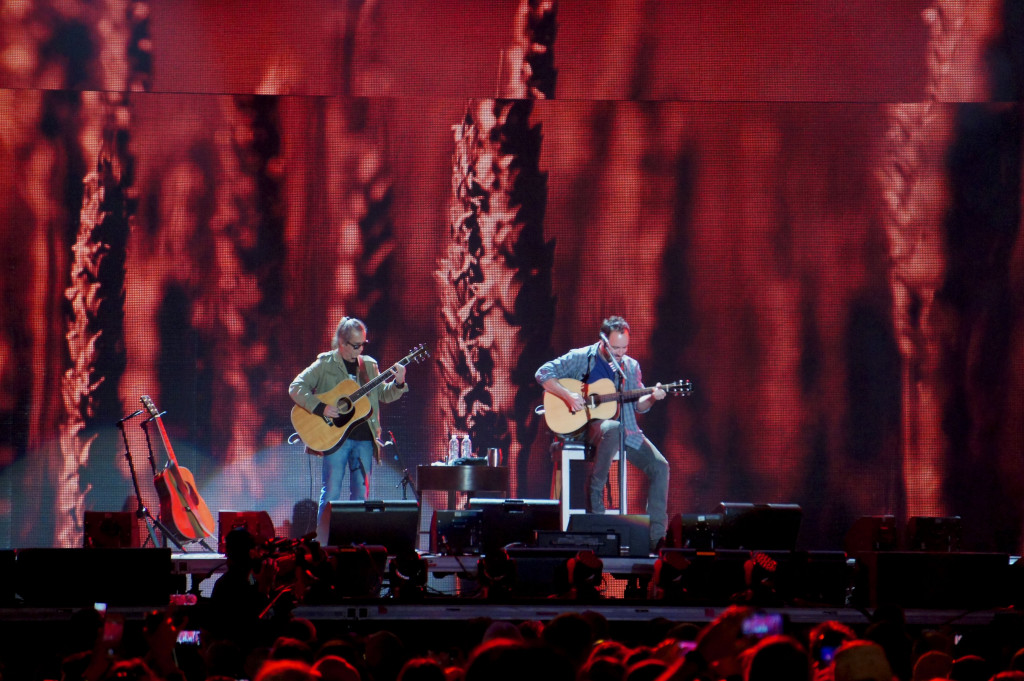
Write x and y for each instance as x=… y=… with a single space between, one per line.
x=445 y=603
x=454 y=595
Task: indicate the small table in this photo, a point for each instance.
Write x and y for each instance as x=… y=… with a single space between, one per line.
x=453 y=479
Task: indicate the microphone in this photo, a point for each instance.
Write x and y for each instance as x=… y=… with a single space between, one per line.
x=131 y=416
x=154 y=416
x=615 y=363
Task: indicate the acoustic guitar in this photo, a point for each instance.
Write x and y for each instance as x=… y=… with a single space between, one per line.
x=181 y=507
x=320 y=433
x=601 y=402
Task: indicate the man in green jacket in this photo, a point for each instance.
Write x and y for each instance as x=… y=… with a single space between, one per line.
x=355 y=453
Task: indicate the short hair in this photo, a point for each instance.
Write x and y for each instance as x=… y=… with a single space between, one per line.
x=345 y=328
x=614 y=323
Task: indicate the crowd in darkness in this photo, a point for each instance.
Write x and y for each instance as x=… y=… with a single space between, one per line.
x=572 y=645
x=238 y=634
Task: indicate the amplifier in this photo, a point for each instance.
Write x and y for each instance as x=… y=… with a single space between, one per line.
x=455 y=533
x=605 y=544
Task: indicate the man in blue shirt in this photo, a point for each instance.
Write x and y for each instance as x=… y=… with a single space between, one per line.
x=589 y=364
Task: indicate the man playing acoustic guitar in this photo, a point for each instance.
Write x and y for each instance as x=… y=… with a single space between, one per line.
x=588 y=365
x=353 y=453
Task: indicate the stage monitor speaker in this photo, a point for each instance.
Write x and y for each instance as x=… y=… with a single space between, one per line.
x=77 y=577
x=633 y=530
x=872 y=533
x=455 y=533
x=514 y=521
x=392 y=524
x=934 y=534
x=766 y=527
x=258 y=523
x=110 y=530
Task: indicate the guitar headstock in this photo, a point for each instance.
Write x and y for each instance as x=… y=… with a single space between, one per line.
x=418 y=354
x=684 y=388
x=148 y=404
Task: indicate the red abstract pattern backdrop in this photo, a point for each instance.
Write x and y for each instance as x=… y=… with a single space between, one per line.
x=811 y=210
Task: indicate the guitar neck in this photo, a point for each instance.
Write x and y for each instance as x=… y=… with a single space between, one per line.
x=625 y=395
x=167 y=441
x=377 y=380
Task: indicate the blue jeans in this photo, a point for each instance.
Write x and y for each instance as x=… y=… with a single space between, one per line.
x=354 y=457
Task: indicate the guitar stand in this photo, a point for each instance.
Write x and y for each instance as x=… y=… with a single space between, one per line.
x=142 y=513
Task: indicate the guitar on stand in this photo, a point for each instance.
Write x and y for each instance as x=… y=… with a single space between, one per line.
x=601 y=402
x=320 y=433
x=181 y=507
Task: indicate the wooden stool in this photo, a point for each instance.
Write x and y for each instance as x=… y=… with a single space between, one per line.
x=563 y=453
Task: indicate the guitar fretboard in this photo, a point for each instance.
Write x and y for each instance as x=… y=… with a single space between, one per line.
x=625 y=395
x=380 y=378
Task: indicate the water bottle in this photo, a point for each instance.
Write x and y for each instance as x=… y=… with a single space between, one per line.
x=467 y=447
x=453 y=449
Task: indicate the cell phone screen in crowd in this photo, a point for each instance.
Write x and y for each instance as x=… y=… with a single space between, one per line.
x=760 y=625
x=188 y=637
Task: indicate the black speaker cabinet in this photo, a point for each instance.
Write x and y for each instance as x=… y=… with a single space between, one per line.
x=872 y=533
x=926 y=533
x=258 y=523
x=8 y=577
x=540 y=572
x=456 y=533
x=694 y=531
x=78 y=577
x=514 y=521
x=935 y=580
x=634 y=530
x=110 y=530
x=759 y=527
x=392 y=524
x=359 y=571
x=801 y=578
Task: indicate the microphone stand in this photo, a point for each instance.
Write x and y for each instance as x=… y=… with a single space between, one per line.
x=143 y=512
x=406 y=482
x=618 y=369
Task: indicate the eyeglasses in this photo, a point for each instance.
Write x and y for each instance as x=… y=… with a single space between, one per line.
x=356 y=346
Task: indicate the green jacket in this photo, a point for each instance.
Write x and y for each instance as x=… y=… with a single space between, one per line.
x=328 y=371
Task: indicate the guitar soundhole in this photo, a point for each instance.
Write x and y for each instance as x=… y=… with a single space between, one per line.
x=342 y=419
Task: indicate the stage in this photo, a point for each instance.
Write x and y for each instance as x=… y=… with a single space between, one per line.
x=934 y=589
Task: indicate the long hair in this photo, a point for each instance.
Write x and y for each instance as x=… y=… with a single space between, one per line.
x=345 y=328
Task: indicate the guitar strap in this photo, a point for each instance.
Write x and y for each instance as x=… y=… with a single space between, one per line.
x=364 y=377
x=590 y=364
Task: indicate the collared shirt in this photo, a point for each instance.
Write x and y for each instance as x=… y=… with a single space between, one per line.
x=579 y=364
